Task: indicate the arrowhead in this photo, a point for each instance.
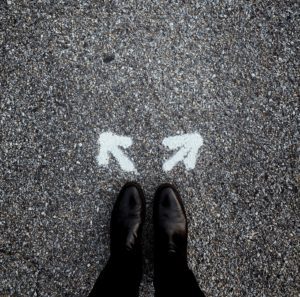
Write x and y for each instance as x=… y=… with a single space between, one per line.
x=188 y=145
x=110 y=144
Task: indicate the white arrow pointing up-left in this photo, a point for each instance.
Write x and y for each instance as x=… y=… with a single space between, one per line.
x=110 y=144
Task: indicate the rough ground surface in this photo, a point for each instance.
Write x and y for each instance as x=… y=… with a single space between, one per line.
x=149 y=69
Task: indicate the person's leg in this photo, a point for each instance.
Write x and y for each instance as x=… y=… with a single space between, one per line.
x=123 y=272
x=120 y=277
x=172 y=277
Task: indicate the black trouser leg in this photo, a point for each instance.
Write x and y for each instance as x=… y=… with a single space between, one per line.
x=120 y=277
x=173 y=278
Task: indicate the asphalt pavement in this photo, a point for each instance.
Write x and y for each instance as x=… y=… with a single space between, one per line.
x=148 y=70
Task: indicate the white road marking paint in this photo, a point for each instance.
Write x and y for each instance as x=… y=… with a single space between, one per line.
x=188 y=145
x=110 y=145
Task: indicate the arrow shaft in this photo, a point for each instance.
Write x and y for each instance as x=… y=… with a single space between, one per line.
x=177 y=157
x=125 y=163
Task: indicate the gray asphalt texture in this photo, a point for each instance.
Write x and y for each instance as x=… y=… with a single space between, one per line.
x=228 y=70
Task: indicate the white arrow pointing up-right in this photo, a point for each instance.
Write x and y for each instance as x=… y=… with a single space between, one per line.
x=188 y=145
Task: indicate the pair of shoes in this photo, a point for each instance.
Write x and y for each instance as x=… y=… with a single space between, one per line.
x=123 y=272
x=169 y=219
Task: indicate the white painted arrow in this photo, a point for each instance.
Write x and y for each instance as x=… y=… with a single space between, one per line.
x=110 y=144
x=188 y=145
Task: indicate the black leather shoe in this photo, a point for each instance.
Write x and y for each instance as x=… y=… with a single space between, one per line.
x=172 y=277
x=170 y=226
x=127 y=219
x=123 y=272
